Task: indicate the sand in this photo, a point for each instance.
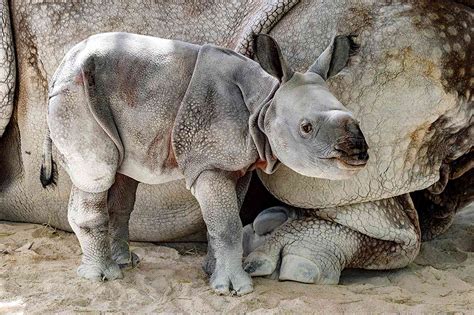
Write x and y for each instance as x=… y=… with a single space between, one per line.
x=38 y=275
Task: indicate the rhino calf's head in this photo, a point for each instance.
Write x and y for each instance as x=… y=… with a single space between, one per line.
x=309 y=130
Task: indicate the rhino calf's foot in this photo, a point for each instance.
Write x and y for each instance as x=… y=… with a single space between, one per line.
x=209 y=263
x=87 y=215
x=236 y=282
x=129 y=260
x=107 y=270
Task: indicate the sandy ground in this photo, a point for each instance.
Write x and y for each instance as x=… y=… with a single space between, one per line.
x=37 y=275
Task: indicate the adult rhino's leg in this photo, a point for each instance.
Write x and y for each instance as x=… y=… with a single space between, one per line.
x=88 y=217
x=307 y=249
x=268 y=15
x=316 y=246
x=452 y=141
x=7 y=67
x=437 y=210
x=121 y=199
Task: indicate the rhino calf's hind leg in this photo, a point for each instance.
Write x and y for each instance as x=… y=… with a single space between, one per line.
x=121 y=199
x=88 y=217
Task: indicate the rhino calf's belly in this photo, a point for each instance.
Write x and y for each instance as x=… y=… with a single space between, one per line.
x=148 y=175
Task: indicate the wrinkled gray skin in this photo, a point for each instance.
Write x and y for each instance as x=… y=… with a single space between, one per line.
x=409 y=87
x=152 y=111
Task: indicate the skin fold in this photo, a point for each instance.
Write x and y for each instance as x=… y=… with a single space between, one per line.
x=8 y=68
x=408 y=86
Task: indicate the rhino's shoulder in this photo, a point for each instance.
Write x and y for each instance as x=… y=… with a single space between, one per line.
x=212 y=125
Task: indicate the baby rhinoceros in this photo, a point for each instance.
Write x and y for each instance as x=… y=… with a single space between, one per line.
x=127 y=109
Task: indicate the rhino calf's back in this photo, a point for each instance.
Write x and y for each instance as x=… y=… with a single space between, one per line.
x=115 y=98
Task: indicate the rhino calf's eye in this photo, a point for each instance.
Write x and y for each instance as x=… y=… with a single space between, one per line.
x=306 y=128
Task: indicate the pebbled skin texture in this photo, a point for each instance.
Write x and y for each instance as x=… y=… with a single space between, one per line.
x=317 y=245
x=268 y=15
x=409 y=87
x=87 y=215
x=215 y=191
x=416 y=59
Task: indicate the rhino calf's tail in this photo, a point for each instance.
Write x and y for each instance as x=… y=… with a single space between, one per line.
x=48 y=166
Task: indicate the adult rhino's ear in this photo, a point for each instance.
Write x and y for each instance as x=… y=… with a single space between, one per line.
x=335 y=57
x=269 y=56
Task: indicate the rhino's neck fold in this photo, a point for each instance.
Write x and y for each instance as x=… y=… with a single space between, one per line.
x=225 y=90
x=258 y=88
x=257 y=129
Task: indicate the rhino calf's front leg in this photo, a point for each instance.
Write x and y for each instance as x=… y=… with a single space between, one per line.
x=216 y=194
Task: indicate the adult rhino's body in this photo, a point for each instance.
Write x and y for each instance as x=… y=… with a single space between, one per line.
x=409 y=86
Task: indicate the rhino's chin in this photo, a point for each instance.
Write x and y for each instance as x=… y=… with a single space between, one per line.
x=331 y=168
x=352 y=165
x=343 y=171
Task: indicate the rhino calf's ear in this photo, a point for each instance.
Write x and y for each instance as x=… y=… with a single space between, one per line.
x=269 y=56
x=335 y=57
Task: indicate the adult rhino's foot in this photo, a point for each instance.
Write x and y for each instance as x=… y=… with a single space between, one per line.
x=383 y=234
x=308 y=250
x=107 y=270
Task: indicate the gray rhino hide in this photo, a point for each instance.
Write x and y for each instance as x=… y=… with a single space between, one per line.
x=210 y=129
x=218 y=118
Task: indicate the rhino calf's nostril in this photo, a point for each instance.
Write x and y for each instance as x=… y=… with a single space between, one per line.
x=363 y=156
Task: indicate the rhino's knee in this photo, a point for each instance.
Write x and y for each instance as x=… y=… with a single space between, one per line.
x=89 y=224
x=88 y=211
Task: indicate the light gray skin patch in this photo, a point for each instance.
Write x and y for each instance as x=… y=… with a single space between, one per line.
x=128 y=108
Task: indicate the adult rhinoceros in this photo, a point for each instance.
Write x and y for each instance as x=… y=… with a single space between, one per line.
x=410 y=86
